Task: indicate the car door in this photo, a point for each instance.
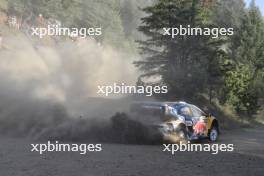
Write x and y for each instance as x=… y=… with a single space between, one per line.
x=196 y=113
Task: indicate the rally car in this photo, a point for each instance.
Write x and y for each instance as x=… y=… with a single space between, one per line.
x=180 y=120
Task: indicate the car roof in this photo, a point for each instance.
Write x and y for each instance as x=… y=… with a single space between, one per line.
x=169 y=103
x=181 y=103
x=176 y=103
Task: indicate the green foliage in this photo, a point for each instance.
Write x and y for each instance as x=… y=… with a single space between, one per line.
x=239 y=91
x=228 y=13
x=78 y=13
x=243 y=83
x=230 y=68
x=183 y=62
x=227 y=68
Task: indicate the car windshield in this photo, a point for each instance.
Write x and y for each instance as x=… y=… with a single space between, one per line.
x=183 y=109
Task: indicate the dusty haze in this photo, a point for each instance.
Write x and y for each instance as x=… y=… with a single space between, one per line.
x=43 y=86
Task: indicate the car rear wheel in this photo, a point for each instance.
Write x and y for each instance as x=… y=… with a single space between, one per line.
x=182 y=133
x=214 y=134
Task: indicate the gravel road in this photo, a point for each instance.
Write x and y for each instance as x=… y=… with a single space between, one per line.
x=131 y=160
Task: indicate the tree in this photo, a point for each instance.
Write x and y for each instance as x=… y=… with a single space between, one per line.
x=182 y=63
x=243 y=83
x=77 y=13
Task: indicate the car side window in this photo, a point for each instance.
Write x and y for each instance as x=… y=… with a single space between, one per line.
x=185 y=111
x=196 y=112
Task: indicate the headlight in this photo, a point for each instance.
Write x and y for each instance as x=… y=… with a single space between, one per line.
x=166 y=128
x=181 y=118
x=189 y=123
x=169 y=127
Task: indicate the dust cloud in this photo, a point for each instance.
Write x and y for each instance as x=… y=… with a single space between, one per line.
x=50 y=90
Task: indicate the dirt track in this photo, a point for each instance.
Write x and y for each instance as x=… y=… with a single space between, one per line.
x=130 y=160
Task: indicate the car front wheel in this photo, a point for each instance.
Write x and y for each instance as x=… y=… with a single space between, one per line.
x=214 y=134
